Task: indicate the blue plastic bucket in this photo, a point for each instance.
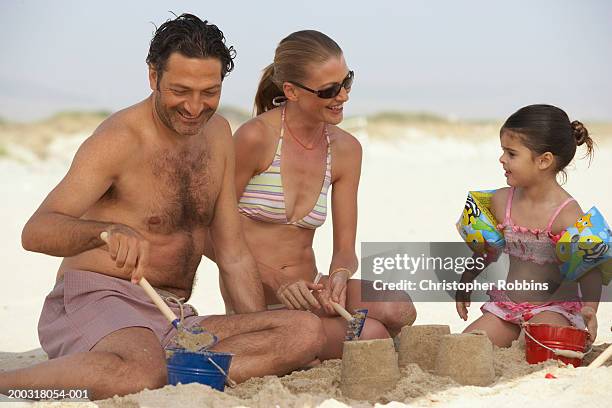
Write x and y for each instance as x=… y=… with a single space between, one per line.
x=188 y=367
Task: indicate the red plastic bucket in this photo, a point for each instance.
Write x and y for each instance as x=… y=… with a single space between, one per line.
x=555 y=337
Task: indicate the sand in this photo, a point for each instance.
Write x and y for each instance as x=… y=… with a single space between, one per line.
x=369 y=369
x=419 y=344
x=194 y=339
x=320 y=386
x=467 y=358
x=406 y=177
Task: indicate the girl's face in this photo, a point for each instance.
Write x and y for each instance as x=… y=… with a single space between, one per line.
x=520 y=166
x=323 y=76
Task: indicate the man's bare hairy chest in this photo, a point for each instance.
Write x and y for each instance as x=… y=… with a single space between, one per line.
x=171 y=191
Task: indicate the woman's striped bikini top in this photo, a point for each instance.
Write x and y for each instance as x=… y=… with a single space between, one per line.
x=263 y=198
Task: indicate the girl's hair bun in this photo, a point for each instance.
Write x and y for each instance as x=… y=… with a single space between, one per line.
x=580 y=133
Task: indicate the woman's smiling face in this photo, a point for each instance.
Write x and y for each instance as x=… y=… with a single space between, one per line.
x=322 y=76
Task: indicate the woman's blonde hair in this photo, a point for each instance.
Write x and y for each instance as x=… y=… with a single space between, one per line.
x=292 y=57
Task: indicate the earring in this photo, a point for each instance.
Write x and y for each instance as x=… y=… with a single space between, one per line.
x=279 y=100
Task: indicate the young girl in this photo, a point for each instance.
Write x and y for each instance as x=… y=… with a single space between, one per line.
x=538 y=142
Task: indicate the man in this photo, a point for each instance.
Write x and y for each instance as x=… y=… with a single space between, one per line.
x=156 y=177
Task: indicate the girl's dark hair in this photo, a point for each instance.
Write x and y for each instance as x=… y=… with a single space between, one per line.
x=191 y=37
x=546 y=128
x=293 y=55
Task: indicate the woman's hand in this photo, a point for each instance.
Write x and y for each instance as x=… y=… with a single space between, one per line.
x=590 y=319
x=324 y=297
x=335 y=289
x=298 y=295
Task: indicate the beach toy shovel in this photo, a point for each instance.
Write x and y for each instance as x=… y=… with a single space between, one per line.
x=602 y=358
x=192 y=339
x=355 y=322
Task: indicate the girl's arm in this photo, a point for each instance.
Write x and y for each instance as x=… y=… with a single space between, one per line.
x=462 y=298
x=590 y=287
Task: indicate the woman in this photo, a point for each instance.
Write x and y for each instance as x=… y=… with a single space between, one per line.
x=287 y=157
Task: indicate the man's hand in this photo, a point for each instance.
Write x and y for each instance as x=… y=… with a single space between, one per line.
x=462 y=302
x=590 y=319
x=298 y=295
x=128 y=248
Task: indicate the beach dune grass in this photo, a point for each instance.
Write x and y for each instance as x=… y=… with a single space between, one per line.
x=385 y=126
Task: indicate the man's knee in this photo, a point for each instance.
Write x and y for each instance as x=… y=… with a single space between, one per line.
x=140 y=360
x=310 y=330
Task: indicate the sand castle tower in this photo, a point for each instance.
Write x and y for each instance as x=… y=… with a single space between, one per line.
x=467 y=358
x=420 y=344
x=369 y=368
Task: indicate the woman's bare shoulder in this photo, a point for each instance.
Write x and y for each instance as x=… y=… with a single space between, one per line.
x=259 y=131
x=344 y=142
x=256 y=140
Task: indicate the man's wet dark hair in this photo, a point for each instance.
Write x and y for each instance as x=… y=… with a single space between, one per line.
x=191 y=37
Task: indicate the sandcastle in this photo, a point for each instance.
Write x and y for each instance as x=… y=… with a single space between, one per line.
x=420 y=345
x=369 y=368
x=466 y=358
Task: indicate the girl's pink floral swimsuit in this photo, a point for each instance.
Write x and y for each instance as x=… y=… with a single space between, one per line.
x=539 y=247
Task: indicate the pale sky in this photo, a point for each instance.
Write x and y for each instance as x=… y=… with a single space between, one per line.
x=468 y=59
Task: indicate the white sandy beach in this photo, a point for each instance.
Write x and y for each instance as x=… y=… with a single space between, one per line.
x=412 y=189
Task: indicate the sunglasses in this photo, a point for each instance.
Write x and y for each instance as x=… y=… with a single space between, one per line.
x=333 y=90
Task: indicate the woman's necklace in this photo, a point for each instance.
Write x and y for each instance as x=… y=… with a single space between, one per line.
x=312 y=145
